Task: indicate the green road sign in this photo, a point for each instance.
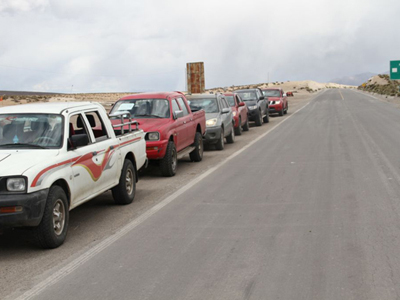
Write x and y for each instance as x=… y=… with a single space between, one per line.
x=395 y=70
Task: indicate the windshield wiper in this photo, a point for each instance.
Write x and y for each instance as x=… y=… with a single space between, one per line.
x=147 y=115
x=23 y=145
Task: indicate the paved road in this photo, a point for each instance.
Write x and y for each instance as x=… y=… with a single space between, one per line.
x=308 y=211
x=22 y=264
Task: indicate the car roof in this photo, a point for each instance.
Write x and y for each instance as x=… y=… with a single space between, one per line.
x=278 y=89
x=152 y=95
x=46 y=107
x=202 y=96
x=247 y=90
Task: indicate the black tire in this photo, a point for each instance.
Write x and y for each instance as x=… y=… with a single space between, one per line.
x=246 y=126
x=230 y=139
x=287 y=107
x=124 y=192
x=259 y=119
x=266 y=117
x=197 y=154
x=220 y=143
x=52 y=230
x=170 y=161
x=238 y=130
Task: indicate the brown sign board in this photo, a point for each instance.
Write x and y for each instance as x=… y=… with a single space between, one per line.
x=195 y=78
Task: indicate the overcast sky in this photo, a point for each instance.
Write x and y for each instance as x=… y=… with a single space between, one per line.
x=131 y=45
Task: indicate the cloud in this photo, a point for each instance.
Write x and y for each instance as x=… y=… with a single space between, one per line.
x=131 y=45
x=15 y=6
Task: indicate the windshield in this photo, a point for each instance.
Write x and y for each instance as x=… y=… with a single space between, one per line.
x=209 y=105
x=248 y=96
x=144 y=108
x=31 y=131
x=271 y=93
x=231 y=100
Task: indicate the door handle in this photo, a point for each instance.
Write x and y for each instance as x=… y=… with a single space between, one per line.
x=94 y=153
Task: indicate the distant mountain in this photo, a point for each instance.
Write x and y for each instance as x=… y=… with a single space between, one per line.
x=354 y=80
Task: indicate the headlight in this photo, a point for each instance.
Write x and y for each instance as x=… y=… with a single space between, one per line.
x=253 y=107
x=211 y=122
x=152 y=136
x=277 y=102
x=234 y=113
x=16 y=184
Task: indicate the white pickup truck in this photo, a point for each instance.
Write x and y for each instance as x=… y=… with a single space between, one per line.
x=56 y=156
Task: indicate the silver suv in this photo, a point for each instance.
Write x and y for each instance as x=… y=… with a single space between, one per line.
x=219 y=118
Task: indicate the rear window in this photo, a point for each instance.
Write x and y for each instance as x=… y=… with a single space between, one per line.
x=209 y=105
x=231 y=100
x=143 y=108
x=272 y=93
x=248 y=96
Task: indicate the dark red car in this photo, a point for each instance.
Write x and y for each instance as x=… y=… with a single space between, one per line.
x=172 y=128
x=239 y=110
x=277 y=99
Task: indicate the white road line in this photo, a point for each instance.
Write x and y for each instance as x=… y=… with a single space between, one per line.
x=69 y=268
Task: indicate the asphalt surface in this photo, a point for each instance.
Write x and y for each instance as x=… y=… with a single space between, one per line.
x=308 y=211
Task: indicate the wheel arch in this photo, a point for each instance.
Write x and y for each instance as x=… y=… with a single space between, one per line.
x=130 y=156
x=62 y=183
x=198 y=128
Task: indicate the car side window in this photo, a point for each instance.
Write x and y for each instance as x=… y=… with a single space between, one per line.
x=224 y=103
x=97 y=126
x=220 y=104
x=175 y=106
x=238 y=100
x=183 y=106
x=77 y=126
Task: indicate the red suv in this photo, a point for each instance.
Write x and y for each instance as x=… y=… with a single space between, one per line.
x=239 y=110
x=277 y=100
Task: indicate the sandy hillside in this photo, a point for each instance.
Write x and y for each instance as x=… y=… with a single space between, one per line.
x=294 y=86
x=382 y=85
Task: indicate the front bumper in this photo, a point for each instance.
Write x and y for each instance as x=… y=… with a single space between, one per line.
x=275 y=108
x=32 y=205
x=253 y=114
x=212 y=135
x=156 y=149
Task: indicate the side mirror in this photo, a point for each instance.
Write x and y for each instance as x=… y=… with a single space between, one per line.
x=78 y=140
x=178 y=114
x=242 y=104
x=225 y=110
x=262 y=98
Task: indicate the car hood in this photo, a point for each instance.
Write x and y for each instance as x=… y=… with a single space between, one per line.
x=211 y=115
x=251 y=103
x=17 y=162
x=150 y=124
x=274 y=98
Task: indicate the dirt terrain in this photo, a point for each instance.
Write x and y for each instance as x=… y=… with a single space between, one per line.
x=107 y=99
